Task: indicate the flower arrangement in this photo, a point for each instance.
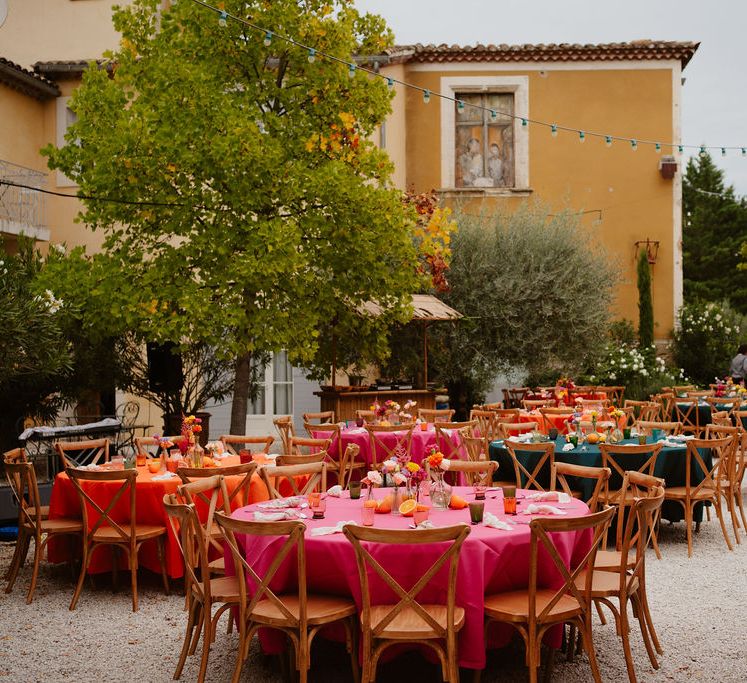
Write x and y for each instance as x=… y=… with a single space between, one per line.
x=436 y=460
x=390 y=409
x=191 y=425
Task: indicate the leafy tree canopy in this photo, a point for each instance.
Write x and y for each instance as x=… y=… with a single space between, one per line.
x=258 y=207
x=714 y=228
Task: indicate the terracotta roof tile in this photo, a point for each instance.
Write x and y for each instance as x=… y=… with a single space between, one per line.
x=552 y=52
x=27 y=82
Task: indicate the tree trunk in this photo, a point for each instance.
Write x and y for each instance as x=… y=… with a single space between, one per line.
x=241 y=387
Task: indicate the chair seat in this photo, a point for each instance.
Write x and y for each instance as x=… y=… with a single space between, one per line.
x=59 y=526
x=409 y=625
x=682 y=492
x=603 y=584
x=609 y=560
x=514 y=606
x=44 y=510
x=218 y=565
x=224 y=589
x=616 y=497
x=108 y=534
x=320 y=609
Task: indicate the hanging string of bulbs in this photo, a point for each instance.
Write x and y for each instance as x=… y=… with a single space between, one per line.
x=353 y=69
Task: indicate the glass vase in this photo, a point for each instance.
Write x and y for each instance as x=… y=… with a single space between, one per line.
x=396 y=500
x=616 y=436
x=440 y=492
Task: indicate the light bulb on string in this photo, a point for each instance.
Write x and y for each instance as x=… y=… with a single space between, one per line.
x=493 y=115
x=723 y=151
x=223 y=19
x=702 y=150
x=524 y=123
x=608 y=140
x=581 y=136
x=634 y=145
x=426 y=96
x=744 y=152
x=554 y=130
x=390 y=82
x=351 y=70
x=312 y=55
x=657 y=147
x=460 y=106
x=680 y=149
x=268 y=39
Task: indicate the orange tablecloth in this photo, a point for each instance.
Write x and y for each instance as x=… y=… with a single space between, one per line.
x=149 y=509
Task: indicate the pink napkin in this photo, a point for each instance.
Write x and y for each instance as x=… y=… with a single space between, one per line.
x=543 y=509
x=550 y=497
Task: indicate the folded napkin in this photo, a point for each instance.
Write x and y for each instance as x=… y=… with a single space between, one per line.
x=550 y=496
x=426 y=524
x=542 y=509
x=278 y=516
x=326 y=530
x=283 y=503
x=92 y=467
x=164 y=476
x=335 y=491
x=567 y=447
x=489 y=519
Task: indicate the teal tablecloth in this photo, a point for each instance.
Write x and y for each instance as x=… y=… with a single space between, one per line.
x=670 y=466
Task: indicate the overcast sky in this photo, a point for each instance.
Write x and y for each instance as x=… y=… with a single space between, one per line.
x=715 y=91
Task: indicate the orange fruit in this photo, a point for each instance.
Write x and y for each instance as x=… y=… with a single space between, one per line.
x=370 y=504
x=385 y=505
x=408 y=507
x=422 y=508
x=457 y=502
x=592 y=438
x=207 y=461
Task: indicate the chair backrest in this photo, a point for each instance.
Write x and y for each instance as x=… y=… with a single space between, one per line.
x=236 y=442
x=686 y=411
x=644 y=410
x=508 y=429
x=128 y=413
x=532 y=404
x=532 y=463
x=684 y=388
x=701 y=476
x=190 y=538
x=636 y=533
x=292 y=613
x=283 y=460
x=105 y=519
x=450 y=437
x=302 y=445
x=614 y=393
x=239 y=494
x=78 y=453
x=213 y=494
x=492 y=406
x=15 y=455
x=384 y=446
x=407 y=597
x=476 y=471
x=621 y=459
x=22 y=481
x=720 y=417
x=513 y=396
x=699 y=394
x=273 y=476
x=670 y=428
x=545 y=534
x=367 y=415
x=487 y=423
x=505 y=414
x=284 y=425
x=562 y=470
x=432 y=415
x=330 y=431
x=477 y=448
x=143 y=442
x=729 y=405
x=325 y=417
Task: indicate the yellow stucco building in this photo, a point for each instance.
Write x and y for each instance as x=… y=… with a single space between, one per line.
x=479 y=160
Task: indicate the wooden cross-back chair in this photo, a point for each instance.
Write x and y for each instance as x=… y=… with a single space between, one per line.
x=476 y=471
x=730 y=405
x=383 y=448
x=366 y=415
x=408 y=619
x=643 y=410
x=614 y=393
x=535 y=609
x=296 y=476
x=621 y=459
x=721 y=418
x=666 y=404
x=505 y=414
x=700 y=394
x=433 y=415
x=560 y=472
x=202 y=592
x=626 y=582
x=486 y=423
x=142 y=443
x=508 y=429
x=513 y=396
x=686 y=411
x=669 y=428
x=16 y=455
x=551 y=416
x=684 y=388
x=105 y=530
x=234 y=443
x=336 y=456
x=325 y=417
x=297 y=612
x=78 y=453
x=31 y=523
x=729 y=472
x=238 y=494
x=285 y=428
x=534 y=404
x=533 y=464
x=498 y=405
x=446 y=431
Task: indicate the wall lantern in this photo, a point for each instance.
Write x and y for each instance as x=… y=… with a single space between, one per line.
x=667 y=167
x=652 y=249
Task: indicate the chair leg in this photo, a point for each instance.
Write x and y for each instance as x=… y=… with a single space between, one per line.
x=733 y=512
x=207 y=629
x=720 y=515
x=643 y=597
x=351 y=630
x=133 y=578
x=161 y=540
x=738 y=497
x=115 y=568
x=38 y=549
x=84 y=562
x=19 y=557
x=549 y=663
x=689 y=529
x=600 y=613
x=644 y=632
x=625 y=636
x=585 y=629
x=655 y=540
x=191 y=620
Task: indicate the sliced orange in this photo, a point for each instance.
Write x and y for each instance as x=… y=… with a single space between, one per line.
x=457 y=502
x=408 y=507
x=422 y=508
x=370 y=503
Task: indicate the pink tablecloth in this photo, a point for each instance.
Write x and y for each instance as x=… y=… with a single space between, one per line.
x=420 y=446
x=490 y=561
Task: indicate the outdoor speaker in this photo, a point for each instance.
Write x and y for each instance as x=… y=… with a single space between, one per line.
x=164 y=368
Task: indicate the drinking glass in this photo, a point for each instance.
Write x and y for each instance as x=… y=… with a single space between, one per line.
x=419 y=515
x=476 y=510
x=479 y=490
x=368 y=514
x=626 y=433
x=553 y=433
x=355 y=490
x=574 y=440
x=319 y=507
x=509 y=500
x=641 y=439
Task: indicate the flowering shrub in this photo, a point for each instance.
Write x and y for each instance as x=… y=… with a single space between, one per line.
x=707 y=337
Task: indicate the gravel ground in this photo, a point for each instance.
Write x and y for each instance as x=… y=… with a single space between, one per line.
x=699 y=607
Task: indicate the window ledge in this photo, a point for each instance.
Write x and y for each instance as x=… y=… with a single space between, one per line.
x=485 y=191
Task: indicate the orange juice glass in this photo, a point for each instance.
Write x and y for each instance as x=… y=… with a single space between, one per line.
x=154 y=465
x=172 y=464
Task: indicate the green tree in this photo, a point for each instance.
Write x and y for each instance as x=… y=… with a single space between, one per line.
x=532 y=294
x=645 y=304
x=714 y=228
x=253 y=207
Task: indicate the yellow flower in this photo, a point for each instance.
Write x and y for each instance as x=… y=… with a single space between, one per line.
x=412 y=466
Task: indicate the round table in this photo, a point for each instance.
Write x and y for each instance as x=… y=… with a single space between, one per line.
x=149 y=509
x=490 y=561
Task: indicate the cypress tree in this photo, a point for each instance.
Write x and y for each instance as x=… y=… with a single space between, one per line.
x=645 y=304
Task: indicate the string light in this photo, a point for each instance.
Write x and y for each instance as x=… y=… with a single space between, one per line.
x=352 y=68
